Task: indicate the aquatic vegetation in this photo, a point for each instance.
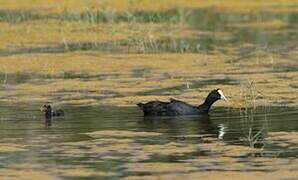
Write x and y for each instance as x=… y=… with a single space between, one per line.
x=254 y=138
x=115 y=133
x=81 y=47
x=27 y=171
x=169 y=73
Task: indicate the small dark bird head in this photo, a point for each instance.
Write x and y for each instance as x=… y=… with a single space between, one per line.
x=215 y=95
x=47 y=109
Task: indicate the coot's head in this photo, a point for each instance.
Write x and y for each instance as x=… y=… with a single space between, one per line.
x=215 y=95
x=46 y=108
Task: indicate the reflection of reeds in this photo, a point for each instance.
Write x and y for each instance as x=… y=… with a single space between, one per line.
x=254 y=138
x=5 y=77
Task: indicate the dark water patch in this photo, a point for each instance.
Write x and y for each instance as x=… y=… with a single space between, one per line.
x=294 y=86
x=140 y=72
x=293 y=18
x=195 y=44
x=264 y=41
x=210 y=19
x=29 y=50
x=285 y=68
x=214 y=19
x=35 y=78
x=74 y=75
x=86 y=76
x=16 y=78
x=17 y=16
x=182 y=45
x=248 y=72
x=258 y=37
x=39 y=79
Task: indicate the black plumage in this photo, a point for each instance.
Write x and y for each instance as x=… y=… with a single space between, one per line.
x=177 y=108
x=49 y=112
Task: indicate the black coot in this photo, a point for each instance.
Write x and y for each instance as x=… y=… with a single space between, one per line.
x=49 y=112
x=178 y=108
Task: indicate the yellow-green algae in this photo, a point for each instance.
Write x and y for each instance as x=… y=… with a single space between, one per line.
x=222 y=160
x=9 y=147
x=81 y=172
x=28 y=171
x=219 y=175
x=284 y=139
x=160 y=167
x=181 y=69
x=25 y=172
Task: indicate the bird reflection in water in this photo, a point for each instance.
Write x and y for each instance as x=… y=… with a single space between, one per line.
x=186 y=125
x=221 y=131
x=48 y=122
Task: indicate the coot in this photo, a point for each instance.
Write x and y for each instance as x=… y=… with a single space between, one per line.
x=49 y=112
x=178 y=108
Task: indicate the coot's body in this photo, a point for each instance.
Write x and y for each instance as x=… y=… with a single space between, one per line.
x=178 y=108
x=49 y=112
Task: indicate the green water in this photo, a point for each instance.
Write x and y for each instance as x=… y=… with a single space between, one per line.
x=49 y=144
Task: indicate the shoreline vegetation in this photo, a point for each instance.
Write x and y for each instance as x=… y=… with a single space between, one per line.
x=123 y=52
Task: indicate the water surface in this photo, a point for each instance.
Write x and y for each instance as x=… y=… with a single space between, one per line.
x=113 y=142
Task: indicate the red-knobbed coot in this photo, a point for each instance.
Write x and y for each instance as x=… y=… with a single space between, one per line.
x=178 y=108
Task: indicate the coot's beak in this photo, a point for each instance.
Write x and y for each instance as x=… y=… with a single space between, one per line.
x=222 y=96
